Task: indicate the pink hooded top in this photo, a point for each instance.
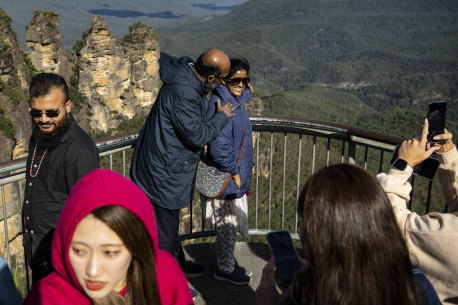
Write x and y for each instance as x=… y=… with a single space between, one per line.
x=99 y=188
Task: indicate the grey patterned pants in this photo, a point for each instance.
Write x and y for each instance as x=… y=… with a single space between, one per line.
x=225 y=234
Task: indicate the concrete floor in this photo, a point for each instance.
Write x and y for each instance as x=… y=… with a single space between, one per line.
x=250 y=255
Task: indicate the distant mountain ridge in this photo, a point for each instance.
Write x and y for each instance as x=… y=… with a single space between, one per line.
x=293 y=42
x=76 y=16
x=391 y=55
x=363 y=62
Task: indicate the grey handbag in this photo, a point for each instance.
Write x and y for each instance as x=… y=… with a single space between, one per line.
x=210 y=181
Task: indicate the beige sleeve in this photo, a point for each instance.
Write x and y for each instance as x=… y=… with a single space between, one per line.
x=432 y=239
x=398 y=190
x=448 y=178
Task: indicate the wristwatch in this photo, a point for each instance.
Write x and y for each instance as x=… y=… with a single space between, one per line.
x=402 y=165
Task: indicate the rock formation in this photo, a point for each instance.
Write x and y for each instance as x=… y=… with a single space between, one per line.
x=47 y=51
x=14 y=79
x=15 y=127
x=119 y=78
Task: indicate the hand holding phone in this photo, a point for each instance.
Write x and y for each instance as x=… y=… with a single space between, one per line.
x=285 y=255
x=445 y=142
x=417 y=154
x=426 y=169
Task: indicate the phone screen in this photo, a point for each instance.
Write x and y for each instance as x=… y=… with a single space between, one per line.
x=286 y=259
x=436 y=118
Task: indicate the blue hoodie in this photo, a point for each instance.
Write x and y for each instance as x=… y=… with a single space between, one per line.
x=224 y=151
x=165 y=157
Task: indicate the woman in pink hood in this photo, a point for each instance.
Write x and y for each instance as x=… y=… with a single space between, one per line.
x=105 y=250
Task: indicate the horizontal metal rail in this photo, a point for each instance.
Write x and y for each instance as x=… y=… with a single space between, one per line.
x=286 y=152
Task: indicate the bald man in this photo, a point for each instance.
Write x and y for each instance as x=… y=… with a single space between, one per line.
x=165 y=157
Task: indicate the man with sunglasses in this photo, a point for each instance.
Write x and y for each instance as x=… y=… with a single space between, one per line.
x=60 y=153
x=165 y=157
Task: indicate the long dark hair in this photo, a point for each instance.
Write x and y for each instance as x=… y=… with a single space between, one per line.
x=349 y=233
x=142 y=288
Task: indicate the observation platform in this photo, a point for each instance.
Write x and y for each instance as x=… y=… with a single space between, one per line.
x=251 y=255
x=286 y=152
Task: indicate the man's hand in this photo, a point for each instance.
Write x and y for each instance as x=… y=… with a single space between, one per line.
x=237 y=180
x=445 y=143
x=227 y=108
x=415 y=151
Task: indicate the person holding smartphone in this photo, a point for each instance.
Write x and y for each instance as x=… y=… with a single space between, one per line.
x=432 y=239
x=354 y=251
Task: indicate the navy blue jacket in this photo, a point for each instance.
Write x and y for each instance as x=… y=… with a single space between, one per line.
x=224 y=151
x=165 y=157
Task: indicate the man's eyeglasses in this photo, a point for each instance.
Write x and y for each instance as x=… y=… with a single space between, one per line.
x=50 y=113
x=237 y=80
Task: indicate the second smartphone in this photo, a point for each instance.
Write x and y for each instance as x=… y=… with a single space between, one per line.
x=285 y=255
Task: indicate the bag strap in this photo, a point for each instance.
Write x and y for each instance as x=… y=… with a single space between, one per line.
x=241 y=150
x=243 y=145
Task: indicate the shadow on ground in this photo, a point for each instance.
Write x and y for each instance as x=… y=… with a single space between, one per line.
x=211 y=292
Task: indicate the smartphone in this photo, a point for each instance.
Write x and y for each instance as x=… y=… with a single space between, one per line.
x=285 y=255
x=436 y=119
x=426 y=169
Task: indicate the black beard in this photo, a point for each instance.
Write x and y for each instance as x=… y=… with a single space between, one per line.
x=50 y=139
x=211 y=86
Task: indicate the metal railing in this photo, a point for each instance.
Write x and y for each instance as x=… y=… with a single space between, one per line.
x=286 y=153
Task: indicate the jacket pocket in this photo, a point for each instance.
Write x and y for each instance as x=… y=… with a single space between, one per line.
x=181 y=163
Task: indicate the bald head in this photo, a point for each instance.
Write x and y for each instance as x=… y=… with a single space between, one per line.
x=213 y=62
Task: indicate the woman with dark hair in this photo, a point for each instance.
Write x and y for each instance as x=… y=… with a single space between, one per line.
x=354 y=250
x=232 y=152
x=105 y=250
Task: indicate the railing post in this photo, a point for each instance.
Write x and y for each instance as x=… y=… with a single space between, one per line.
x=283 y=183
x=5 y=223
x=258 y=138
x=124 y=163
x=428 y=198
x=351 y=152
x=313 y=154
x=342 y=152
x=328 y=151
x=366 y=150
x=298 y=179
x=270 y=174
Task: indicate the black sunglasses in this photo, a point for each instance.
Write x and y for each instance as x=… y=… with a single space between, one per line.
x=237 y=80
x=50 y=113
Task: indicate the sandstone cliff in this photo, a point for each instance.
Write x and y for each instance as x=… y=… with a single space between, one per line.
x=15 y=127
x=14 y=79
x=47 y=52
x=118 y=78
